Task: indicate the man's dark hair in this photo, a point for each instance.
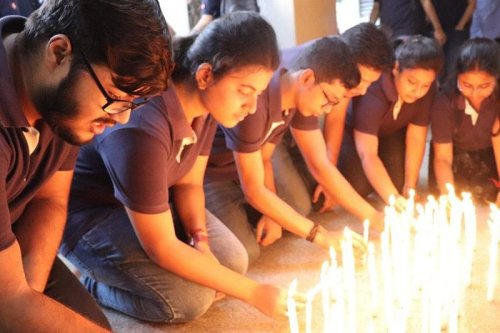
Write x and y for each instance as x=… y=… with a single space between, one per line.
x=330 y=59
x=238 y=39
x=369 y=46
x=418 y=52
x=129 y=36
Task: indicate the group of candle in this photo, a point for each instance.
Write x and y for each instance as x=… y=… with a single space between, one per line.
x=426 y=264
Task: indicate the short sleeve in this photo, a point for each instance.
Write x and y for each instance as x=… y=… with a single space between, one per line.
x=369 y=110
x=69 y=162
x=6 y=235
x=302 y=122
x=138 y=169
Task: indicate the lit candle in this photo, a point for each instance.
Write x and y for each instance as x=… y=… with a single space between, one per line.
x=372 y=273
x=494 y=232
x=309 y=312
x=366 y=228
x=292 y=309
x=325 y=296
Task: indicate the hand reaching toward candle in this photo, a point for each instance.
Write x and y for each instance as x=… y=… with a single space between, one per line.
x=399 y=203
x=267 y=231
x=328 y=201
x=272 y=301
x=333 y=239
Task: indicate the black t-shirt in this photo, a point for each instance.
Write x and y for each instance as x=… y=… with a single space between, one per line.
x=402 y=17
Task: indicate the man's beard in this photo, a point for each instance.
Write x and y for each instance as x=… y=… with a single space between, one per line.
x=57 y=105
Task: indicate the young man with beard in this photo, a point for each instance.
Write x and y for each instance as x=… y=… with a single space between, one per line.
x=66 y=73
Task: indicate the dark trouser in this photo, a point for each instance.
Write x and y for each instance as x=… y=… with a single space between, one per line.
x=391 y=150
x=64 y=287
x=454 y=39
x=473 y=172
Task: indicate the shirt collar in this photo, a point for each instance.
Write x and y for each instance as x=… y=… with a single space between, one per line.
x=274 y=95
x=389 y=87
x=11 y=114
x=176 y=114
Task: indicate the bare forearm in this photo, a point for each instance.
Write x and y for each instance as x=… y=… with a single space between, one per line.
x=431 y=14
x=444 y=174
x=39 y=232
x=469 y=11
x=415 y=148
x=23 y=309
x=190 y=206
x=33 y=312
x=202 y=23
x=269 y=204
x=337 y=186
x=378 y=177
x=203 y=270
x=375 y=12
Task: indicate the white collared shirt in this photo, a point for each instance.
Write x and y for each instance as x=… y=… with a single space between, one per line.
x=469 y=110
x=32 y=136
x=186 y=141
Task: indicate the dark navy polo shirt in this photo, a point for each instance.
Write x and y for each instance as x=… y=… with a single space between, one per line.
x=23 y=174
x=372 y=112
x=450 y=124
x=268 y=124
x=403 y=17
x=136 y=163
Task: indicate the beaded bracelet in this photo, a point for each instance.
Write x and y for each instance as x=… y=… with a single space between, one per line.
x=312 y=233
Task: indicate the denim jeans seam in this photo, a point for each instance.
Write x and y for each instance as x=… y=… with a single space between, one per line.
x=134 y=277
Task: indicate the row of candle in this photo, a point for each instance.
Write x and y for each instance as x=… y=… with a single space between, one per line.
x=426 y=256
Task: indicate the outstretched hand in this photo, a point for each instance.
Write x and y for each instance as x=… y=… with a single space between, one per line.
x=272 y=301
x=328 y=203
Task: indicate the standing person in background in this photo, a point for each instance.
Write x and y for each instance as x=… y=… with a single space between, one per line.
x=51 y=98
x=465 y=124
x=18 y=7
x=316 y=80
x=212 y=9
x=373 y=54
x=485 y=19
x=137 y=226
x=404 y=18
x=384 y=138
x=455 y=20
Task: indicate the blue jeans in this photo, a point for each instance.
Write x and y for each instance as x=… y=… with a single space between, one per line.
x=454 y=39
x=63 y=286
x=225 y=199
x=119 y=274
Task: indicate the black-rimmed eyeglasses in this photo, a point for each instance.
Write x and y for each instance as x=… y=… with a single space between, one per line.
x=113 y=105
